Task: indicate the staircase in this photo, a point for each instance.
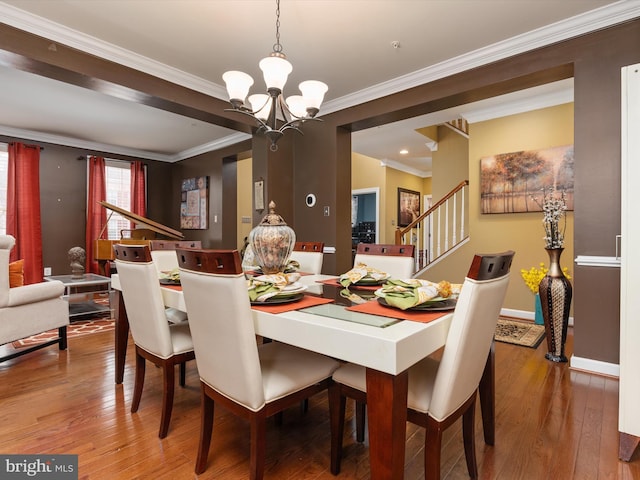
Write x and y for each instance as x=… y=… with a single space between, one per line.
x=440 y=230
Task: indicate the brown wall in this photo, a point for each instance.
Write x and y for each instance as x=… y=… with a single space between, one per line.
x=220 y=167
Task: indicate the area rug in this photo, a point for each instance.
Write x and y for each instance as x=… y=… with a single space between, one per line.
x=74 y=329
x=518 y=332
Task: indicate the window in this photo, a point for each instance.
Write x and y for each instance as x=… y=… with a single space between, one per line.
x=4 y=161
x=118 y=180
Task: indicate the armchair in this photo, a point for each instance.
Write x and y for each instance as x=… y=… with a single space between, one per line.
x=29 y=309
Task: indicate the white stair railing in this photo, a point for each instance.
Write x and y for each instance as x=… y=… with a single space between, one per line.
x=438 y=230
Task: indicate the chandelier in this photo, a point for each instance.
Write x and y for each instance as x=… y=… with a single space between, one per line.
x=271 y=111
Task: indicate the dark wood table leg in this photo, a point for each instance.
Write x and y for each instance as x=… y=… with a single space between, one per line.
x=121 y=335
x=387 y=416
x=627 y=446
x=487 y=391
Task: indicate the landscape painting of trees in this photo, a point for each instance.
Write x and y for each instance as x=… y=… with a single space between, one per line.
x=510 y=182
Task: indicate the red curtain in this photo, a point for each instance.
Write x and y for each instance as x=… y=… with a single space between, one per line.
x=96 y=213
x=138 y=195
x=23 y=208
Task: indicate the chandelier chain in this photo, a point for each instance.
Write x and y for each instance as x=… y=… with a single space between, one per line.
x=273 y=114
x=277 y=47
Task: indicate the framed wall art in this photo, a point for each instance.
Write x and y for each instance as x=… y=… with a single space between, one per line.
x=512 y=182
x=408 y=206
x=194 y=205
x=258 y=195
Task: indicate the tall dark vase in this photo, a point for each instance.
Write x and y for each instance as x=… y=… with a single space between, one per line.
x=555 y=295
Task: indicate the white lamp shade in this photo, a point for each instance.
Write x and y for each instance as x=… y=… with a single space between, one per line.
x=296 y=106
x=238 y=84
x=313 y=92
x=275 y=70
x=261 y=105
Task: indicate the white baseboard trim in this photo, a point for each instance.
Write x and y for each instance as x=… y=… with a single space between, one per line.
x=524 y=314
x=595 y=366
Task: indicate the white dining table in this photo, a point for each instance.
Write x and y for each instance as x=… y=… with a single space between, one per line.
x=386 y=352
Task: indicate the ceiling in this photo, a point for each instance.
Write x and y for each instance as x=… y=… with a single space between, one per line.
x=363 y=49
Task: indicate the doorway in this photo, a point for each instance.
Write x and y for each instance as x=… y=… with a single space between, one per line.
x=365 y=216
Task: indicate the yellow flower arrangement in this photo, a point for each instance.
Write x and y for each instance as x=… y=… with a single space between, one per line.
x=534 y=275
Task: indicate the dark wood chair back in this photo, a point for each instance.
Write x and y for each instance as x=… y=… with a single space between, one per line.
x=383 y=249
x=308 y=247
x=210 y=261
x=132 y=253
x=174 y=244
x=490 y=266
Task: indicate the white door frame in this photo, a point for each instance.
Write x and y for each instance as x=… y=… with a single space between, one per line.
x=376 y=191
x=628 y=414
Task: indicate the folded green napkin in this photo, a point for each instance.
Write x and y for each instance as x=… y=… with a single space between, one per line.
x=262 y=291
x=404 y=294
x=359 y=272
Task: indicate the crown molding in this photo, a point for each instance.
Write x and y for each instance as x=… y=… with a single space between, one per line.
x=81 y=41
x=593 y=20
x=514 y=107
x=211 y=146
x=580 y=24
x=82 y=144
x=404 y=168
x=115 y=149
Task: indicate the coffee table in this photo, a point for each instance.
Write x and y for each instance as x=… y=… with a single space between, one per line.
x=82 y=293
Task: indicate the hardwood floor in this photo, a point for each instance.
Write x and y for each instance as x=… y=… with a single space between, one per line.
x=552 y=423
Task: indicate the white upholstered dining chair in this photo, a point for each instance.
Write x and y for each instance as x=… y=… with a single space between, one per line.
x=163 y=252
x=396 y=260
x=254 y=381
x=440 y=391
x=309 y=256
x=156 y=339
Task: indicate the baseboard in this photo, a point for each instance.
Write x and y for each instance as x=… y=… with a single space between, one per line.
x=595 y=366
x=524 y=314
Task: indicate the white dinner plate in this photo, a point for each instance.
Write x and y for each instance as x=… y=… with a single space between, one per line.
x=295 y=287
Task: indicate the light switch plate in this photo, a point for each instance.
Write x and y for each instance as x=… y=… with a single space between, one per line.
x=326 y=211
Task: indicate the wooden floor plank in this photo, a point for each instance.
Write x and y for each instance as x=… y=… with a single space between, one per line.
x=551 y=422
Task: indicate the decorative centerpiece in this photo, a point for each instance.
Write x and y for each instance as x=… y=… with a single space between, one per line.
x=77 y=257
x=272 y=241
x=555 y=289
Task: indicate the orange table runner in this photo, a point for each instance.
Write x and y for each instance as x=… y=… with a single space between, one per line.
x=374 y=308
x=306 y=301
